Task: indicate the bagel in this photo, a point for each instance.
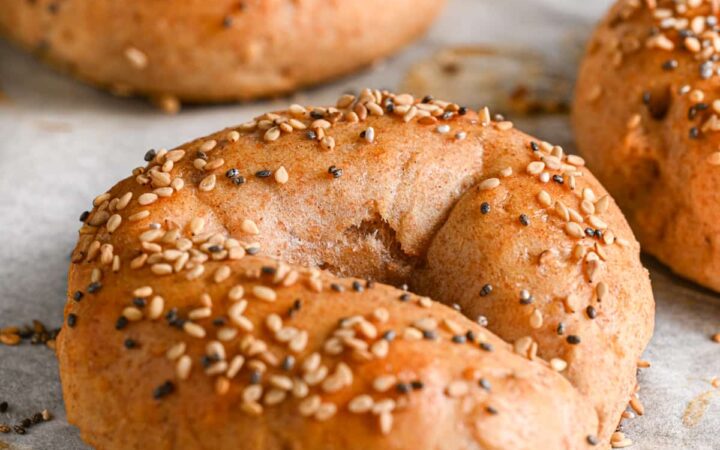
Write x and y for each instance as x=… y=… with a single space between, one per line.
x=646 y=119
x=236 y=246
x=212 y=51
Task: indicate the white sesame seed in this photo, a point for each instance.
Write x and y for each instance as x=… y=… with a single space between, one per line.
x=443 y=129
x=370 y=135
x=249 y=227
x=183 y=367
x=208 y=183
x=281 y=175
x=208 y=145
x=558 y=364
x=360 y=404
x=147 y=198
x=194 y=329
x=136 y=57
x=264 y=293
x=176 y=351
x=132 y=314
x=490 y=183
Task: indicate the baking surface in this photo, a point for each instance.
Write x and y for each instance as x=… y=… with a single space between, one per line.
x=62 y=143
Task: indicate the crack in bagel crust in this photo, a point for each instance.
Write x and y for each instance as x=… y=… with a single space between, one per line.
x=207 y=260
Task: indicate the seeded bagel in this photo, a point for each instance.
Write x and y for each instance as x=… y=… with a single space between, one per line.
x=212 y=51
x=646 y=117
x=203 y=287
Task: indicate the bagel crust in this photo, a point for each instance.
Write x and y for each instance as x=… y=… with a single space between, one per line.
x=212 y=51
x=216 y=299
x=646 y=118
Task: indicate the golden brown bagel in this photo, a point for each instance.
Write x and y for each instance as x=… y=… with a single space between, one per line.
x=209 y=51
x=384 y=187
x=646 y=120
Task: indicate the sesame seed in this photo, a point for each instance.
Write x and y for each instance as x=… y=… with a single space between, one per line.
x=485 y=207
x=486 y=290
x=71 y=320
x=163 y=390
x=281 y=175
x=488 y=184
x=573 y=339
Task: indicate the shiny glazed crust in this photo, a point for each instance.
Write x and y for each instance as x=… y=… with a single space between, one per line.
x=507 y=229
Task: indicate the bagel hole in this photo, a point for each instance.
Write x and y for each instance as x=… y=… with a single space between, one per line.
x=375 y=236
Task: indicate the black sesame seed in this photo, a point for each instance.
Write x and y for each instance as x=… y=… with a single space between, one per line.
x=573 y=339
x=646 y=97
x=694 y=133
x=524 y=219
x=427 y=99
x=357 y=287
x=150 y=155
x=72 y=320
x=336 y=287
x=311 y=135
x=26 y=423
x=670 y=64
x=84 y=216
x=591 y=312
x=268 y=270
x=139 y=302
x=252 y=250
x=201 y=155
x=491 y=410
x=561 y=329
x=429 y=335
x=417 y=385
x=315 y=114
x=3 y=407
x=404 y=297
x=219 y=321
x=78 y=295
x=163 y=390
x=390 y=107
x=336 y=172
x=470 y=336
x=389 y=335
x=485 y=207
x=462 y=111
x=129 y=344
x=369 y=284
x=403 y=388
x=94 y=287
x=558 y=179
x=534 y=146
x=592 y=440
x=485 y=384
x=486 y=346
x=232 y=173
x=121 y=323
x=459 y=339
x=447 y=115
x=589 y=232
x=263 y=173
x=288 y=362
x=486 y=290
x=255 y=377
x=227 y=22
x=238 y=181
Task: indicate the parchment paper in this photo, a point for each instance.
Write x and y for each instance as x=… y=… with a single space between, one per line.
x=62 y=143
